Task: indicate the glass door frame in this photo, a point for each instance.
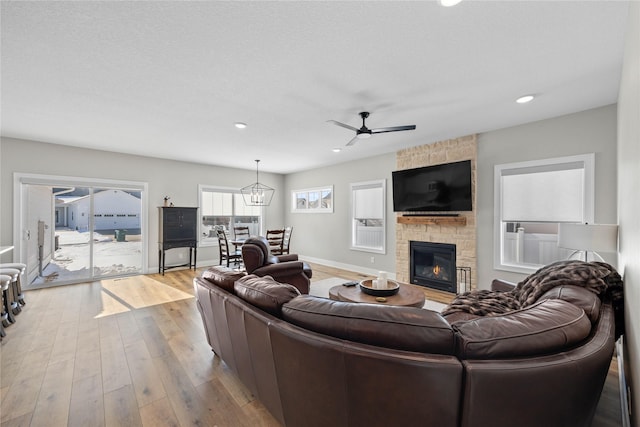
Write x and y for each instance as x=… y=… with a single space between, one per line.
x=19 y=209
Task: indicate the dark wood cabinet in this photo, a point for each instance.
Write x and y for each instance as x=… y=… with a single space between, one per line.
x=178 y=229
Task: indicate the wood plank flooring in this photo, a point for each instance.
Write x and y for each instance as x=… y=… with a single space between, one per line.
x=132 y=352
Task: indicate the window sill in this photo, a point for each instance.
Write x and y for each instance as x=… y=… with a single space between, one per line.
x=521 y=268
x=368 y=249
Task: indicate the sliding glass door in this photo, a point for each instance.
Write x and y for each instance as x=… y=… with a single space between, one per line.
x=117 y=235
x=74 y=230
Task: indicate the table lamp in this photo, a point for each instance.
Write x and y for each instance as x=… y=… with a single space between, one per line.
x=588 y=238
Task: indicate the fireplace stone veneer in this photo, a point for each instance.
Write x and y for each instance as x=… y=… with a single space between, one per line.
x=433 y=265
x=462 y=232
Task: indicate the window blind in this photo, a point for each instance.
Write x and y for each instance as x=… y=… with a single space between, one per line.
x=368 y=203
x=549 y=194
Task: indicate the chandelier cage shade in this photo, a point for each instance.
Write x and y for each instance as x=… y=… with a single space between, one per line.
x=257 y=194
x=585 y=238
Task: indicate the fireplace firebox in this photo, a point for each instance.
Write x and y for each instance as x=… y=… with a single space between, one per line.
x=433 y=265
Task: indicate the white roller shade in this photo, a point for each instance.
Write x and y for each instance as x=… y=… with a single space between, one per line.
x=368 y=203
x=543 y=195
x=216 y=203
x=242 y=209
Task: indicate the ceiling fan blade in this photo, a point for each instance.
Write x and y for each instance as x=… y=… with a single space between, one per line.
x=393 y=129
x=353 y=141
x=343 y=125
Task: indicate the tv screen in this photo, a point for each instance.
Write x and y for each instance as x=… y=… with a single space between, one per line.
x=438 y=188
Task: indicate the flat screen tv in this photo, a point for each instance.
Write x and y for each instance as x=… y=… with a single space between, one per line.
x=438 y=188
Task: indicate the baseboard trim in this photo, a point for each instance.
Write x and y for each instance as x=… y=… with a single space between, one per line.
x=328 y=263
x=199 y=264
x=625 y=390
x=343 y=266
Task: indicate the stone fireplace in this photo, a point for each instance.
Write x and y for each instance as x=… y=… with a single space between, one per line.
x=459 y=230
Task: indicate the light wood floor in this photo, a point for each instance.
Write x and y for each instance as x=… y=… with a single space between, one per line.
x=131 y=352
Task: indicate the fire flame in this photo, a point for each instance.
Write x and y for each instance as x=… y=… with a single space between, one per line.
x=436 y=270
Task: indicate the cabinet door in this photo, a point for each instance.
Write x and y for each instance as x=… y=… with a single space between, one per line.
x=180 y=224
x=190 y=223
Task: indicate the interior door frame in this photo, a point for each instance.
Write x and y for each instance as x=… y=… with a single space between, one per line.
x=19 y=205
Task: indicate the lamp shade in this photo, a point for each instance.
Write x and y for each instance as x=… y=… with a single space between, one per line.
x=588 y=237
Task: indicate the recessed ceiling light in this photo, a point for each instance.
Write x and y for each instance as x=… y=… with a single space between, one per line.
x=337 y=150
x=525 y=99
x=449 y=3
x=240 y=125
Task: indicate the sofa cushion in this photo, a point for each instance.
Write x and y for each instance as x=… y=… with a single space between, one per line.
x=459 y=316
x=222 y=276
x=545 y=327
x=583 y=298
x=265 y=293
x=401 y=328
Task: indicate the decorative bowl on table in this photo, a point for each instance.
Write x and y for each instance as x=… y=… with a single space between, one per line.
x=392 y=288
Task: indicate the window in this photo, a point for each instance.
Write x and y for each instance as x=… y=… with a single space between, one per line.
x=312 y=200
x=224 y=209
x=530 y=200
x=368 y=216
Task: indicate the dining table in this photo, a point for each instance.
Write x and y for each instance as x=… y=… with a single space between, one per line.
x=237 y=242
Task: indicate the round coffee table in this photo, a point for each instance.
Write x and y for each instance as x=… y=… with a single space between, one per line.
x=407 y=296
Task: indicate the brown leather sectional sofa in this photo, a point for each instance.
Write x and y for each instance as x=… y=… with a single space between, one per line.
x=317 y=362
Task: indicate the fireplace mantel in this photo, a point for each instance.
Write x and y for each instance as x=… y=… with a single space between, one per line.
x=459 y=221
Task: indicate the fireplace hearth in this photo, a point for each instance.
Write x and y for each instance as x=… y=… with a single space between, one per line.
x=433 y=265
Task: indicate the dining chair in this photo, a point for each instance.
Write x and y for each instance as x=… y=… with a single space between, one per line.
x=276 y=240
x=241 y=232
x=286 y=240
x=226 y=254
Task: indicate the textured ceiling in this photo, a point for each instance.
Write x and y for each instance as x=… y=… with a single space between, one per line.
x=169 y=79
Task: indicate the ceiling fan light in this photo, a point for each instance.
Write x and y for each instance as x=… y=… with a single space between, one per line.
x=363 y=135
x=240 y=125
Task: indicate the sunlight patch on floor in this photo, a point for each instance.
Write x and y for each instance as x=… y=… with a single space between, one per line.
x=125 y=294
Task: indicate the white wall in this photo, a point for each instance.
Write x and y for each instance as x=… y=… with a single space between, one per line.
x=179 y=180
x=591 y=131
x=326 y=237
x=629 y=196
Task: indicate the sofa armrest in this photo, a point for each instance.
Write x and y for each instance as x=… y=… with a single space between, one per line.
x=280 y=269
x=502 y=285
x=287 y=257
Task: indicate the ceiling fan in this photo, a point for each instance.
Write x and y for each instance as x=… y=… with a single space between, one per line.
x=364 y=132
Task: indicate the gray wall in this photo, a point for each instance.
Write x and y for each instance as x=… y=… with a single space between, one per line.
x=591 y=131
x=629 y=197
x=326 y=237
x=179 y=180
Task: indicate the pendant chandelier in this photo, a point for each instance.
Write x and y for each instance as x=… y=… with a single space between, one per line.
x=257 y=194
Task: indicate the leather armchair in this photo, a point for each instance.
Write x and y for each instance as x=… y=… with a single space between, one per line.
x=258 y=260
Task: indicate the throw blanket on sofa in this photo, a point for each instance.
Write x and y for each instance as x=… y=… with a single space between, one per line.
x=598 y=277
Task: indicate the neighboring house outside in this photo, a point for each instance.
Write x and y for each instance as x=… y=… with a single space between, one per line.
x=113 y=209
